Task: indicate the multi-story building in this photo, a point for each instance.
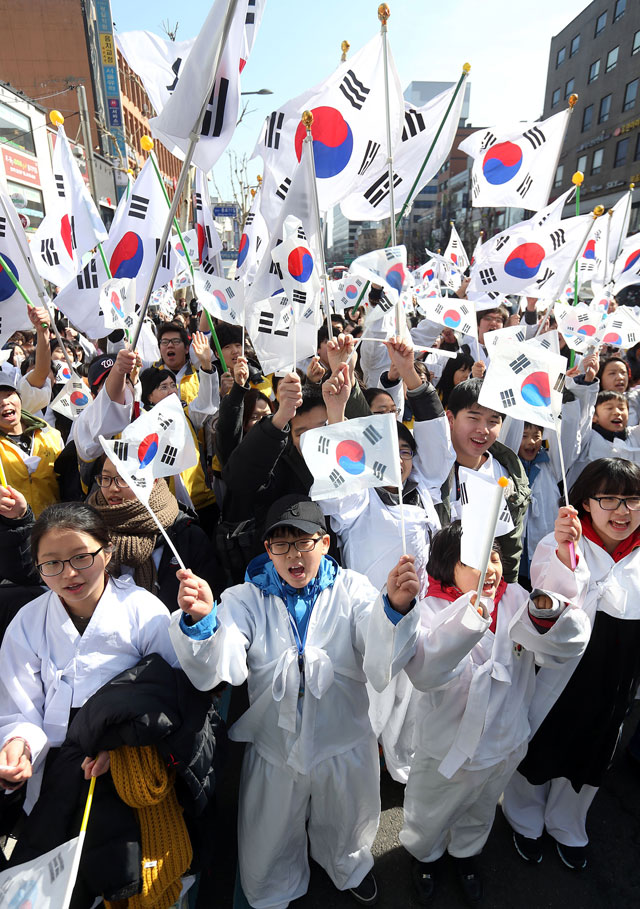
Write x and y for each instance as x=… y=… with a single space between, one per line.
x=597 y=56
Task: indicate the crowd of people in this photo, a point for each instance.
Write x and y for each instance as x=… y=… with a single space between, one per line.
x=358 y=651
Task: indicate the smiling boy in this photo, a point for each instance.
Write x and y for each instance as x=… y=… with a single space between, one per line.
x=307 y=635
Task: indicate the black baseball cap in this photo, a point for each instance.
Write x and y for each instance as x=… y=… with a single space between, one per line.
x=99 y=370
x=295 y=511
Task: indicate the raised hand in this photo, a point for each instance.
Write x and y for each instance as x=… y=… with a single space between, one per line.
x=403 y=585
x=194 y=594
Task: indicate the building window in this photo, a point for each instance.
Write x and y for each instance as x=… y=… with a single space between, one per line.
x=630 y=95
x=636 y=154
x=620 y=7
x=612 y=59
x=555 y=97
x=636 y=43
x=596 y=164
x=34 y=208
x=560 y=56
x=621 y=152
x=569 y=87
x=582 y=164
x=15 y=129
x=594 y=71
x=575 y=46
x=559 y=174
x=605 y=109
x=601 y=22
x=587 y=118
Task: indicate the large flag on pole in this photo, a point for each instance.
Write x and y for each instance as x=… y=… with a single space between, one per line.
x=421 y=124
x=176 y=121
x=515 y=166
x=476 y=494
x=356 y=454
x=209 y=243
x=626 y=269
x=15 y=251
x=253 y=242
x=386 y=267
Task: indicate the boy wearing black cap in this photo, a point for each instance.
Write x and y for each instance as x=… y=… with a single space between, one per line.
x=307 y=635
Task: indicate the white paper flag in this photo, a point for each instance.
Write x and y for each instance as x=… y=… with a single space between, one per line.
x=221 y=298
x=73 y=398
x=477 y=493
x=41 y=883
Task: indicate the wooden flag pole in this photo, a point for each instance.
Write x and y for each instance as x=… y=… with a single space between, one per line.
x=194 y=137
x=307 y=120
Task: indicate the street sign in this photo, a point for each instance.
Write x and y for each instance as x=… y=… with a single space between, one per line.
x=224 y=211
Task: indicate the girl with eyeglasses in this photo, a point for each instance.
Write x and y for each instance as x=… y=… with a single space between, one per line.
x=66 y=644
x=577 y=711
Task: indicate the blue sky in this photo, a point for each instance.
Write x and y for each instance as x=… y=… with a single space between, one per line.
x=507 y=44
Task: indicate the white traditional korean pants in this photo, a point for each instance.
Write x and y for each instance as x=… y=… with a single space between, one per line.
x=555 y=806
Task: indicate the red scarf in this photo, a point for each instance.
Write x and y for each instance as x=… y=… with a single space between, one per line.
x=451 y=594
x=623 y=548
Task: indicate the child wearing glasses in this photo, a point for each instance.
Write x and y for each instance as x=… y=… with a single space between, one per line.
x=577 y=711
x=66 y=644
x=307 y=635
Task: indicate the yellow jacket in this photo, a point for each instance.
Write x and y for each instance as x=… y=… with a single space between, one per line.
x=188 y=384
x=40 y=487
x=194 y=480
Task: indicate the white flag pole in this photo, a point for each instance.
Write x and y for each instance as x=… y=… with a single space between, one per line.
x=626 y=217
x=165 y=535
x=194 y=137
x=495 y=506
x=558 y=428
x=75 y=864
x=606 y=248
x=307 y=119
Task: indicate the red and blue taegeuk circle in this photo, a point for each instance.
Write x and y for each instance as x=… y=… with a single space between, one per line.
x=452 y=318
x=350 y=457
x=332 y=141
x=351 y=291
x=590 y=250
x=535 y=389
x=501 y=163
x=300 y=264
x=147 y=449
x=612 y=338
x=525 y=261
x=78 y=398
x=63 y=374
x=633 y=259
x=395 y=276
x=7 y=288
x=66 y=235
x=243 y=249
x=587 y=330
x=116 y=302
x=221 y=299
x=126 y=259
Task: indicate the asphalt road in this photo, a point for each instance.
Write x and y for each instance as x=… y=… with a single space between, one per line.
x=611 y=880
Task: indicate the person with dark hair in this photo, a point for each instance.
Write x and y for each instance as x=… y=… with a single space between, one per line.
x=230 y=338
x=577 y=713
x=474 y=671
x=306 y=635
x=173 y=341
x=456 y=370
x=609 y=435
x=240 y=410
x=64 y=645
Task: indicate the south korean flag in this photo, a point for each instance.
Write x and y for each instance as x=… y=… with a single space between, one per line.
x=118 y=303
x=456 y=254
x=579 y=324
x=476 y=490
x=298 y=267
x=459 y=315
x=346 y=292
x=385 y=267
x=73 y=398
x=253 y=242
x=515 y=166
x=222 y=299
x=525 y=382
x=621 y=328
x=208 y=243
x=270 y=326
x=16 y=253
x=626 y=269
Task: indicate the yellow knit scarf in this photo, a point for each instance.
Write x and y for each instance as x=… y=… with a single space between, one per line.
x=143 y=782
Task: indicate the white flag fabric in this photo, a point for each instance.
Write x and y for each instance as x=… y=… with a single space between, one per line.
x=41 y=883
x=460 y=315
x=157 y=61
x=14 y=249
x=626 y=269
x=270 y=323
x=158 y=444
x=455 y=251
x=619 y=225
x=298 y=266
x=72 y=225
x=179 y=116
x=223 y=299
x=446 y=271
x=386 y=267
x=346 y=292
x=515 y=166
x=349 y=132
x=524 y=382
x=532 y=261
x=209 y=243
x=476 y=249
x=253 y=242
x=511 y=333
x=593 y=256
x=419 y=131
x=118 y=303
x=477 y=497
x=73 y=398
x=620 y=329
x=579 y=324
x=130 y=251
x=356 y=454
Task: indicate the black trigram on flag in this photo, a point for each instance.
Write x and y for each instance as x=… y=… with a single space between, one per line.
x=508 y=398
x=59 y=181
x=273 y=128
x=413 y=124
x=519 y=364
x=56 y=867
x=207 y=266
x=48 y=251
x=265 y=325
x=557 y=238
x=384 y=303
x=525 y=186
x=230 y=292
x=505 y=514
x=368 y=158
x=165 y=422
x=548 y=274
x=166 y=254
x=336 y=477
x=138 y=206
x=175 y=67
x=502 y=241
x=487 y=141
x=169 y=455
x=535 y=136
x=583 y=317
x=88 y=277
x=559 y=383
x=250 y=18
x=197 y=201
x=379 y=190
x=250 y=219
x=140 y=482
x=475 y=186
x=463 y=495
x=544 y=343
x=299 y=297
x=487 y=276
x=616 y=324
x=274 y=269
x=3 y=227
x=214 y=117
x=283 y=189
x=323 y=445
x=121 y=450
x=307 y=313
x=379 y=470
x=372 y=435
x=439 y=309
x=353 y=90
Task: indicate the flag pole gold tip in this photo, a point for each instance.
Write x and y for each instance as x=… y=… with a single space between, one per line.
x=504 y=482
x=632 y=186
x=146 y=143
x=130 y=172
x=344 y=47
x=259 y=178
x=598 y=210
x=573 y=100
x=466 y=67
x=56 y=118
x=307 y=119
x=384 y=13
x=578 y=178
